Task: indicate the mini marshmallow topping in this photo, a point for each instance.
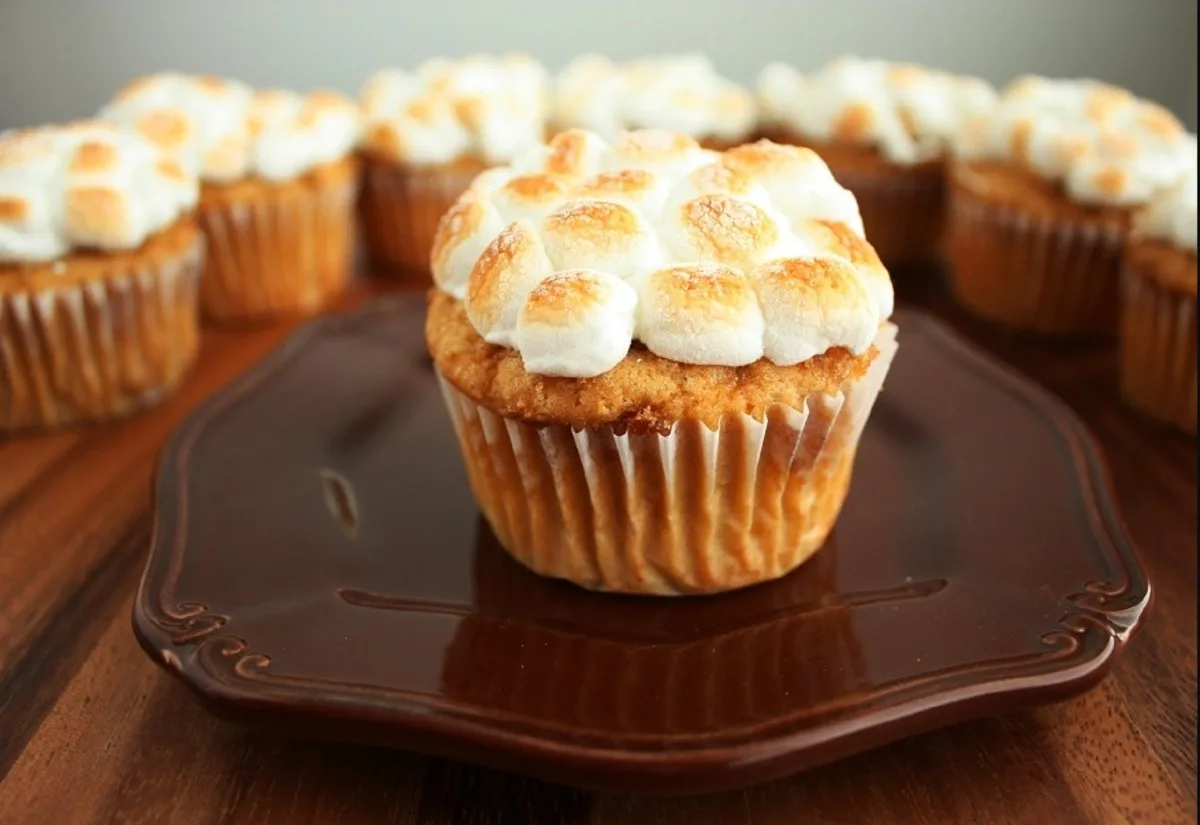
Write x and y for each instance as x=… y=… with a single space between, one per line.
x=85 y=185
x=489 y=108
x=1171 y=214
x=581 y=247
x=1103 y=144
x=678 y=93
x=909 y=113
x=225 y=131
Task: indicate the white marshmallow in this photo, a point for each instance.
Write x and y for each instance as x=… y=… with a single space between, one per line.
x=909 y=113
x=682 y=229
x=577 y=323
x=1103 y=144
x=85 y=186
x=492 y=108
x=223 y=131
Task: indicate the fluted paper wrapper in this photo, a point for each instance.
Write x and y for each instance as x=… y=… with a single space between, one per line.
x=1158 y=349
x=98 y=349
x=693 y=511
x=1032 y=272
x=903 y=216
x=278 y=257
x=399 y=210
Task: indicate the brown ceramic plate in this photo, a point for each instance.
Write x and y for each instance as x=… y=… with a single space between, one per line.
x=319 y=569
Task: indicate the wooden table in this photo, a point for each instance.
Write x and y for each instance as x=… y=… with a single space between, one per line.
x=91 y=731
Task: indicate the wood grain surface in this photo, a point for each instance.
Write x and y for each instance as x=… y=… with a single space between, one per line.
x=91 y=731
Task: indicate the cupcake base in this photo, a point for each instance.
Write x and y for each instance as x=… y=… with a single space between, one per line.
x=98 y=336
x=399 y=209
x=1023 y=256
x=278 y=250
x=694 y=510
x=1158 y=333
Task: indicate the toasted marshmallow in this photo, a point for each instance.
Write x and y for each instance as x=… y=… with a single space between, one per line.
x=577 y=323
x=462 y=236
x=653 y=150
x=798 y=182
x=683 y=229
x=839 y=240
x=909 y=113
x=601 y=235
x=223 y=131
x=1103 y=144
x=490 y=108
x=85 y=185
x=727 y=230
x=811 y=305
x=507 y=271
x=531 y=196
x=700 y=314
x=1171 y=214
x=638 y=189
x=678 y=93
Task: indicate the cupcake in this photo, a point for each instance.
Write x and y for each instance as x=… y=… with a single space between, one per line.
x=886 y=130
x=659 y=358
x=99 y=263
x=679 y=93
x=278 y=180
x=428 y=133
x=1042 y=196
x=1158 y=308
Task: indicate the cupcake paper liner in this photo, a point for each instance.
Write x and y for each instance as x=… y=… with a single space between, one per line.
x=278 y=256
x=1158 y=349
x=693 y=511
x=399 y=210
x=1031 y=272
x=903 y=216
x=98 y=349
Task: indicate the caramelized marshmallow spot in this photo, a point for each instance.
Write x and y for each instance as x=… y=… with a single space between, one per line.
x=577 y=323
x=700 y=314
x=811 y=305
x=510 y=267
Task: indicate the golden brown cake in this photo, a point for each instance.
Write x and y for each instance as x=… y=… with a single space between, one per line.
x=659 y=358
x=1158 y=308
x=428 y=133
x=278 y=187
x=885 y=129
x=99 y=264
x=681 y=93
x=1041 y=199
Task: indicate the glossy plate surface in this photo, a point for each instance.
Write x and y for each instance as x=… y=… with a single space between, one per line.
x=319 y=568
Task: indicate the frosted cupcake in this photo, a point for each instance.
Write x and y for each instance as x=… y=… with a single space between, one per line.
x=99 y=263
x=278 y=184
x=1043 y=196
x=428 y=133
x=1158 y=308
x=886 y=130
x=659 y=358
x=679 y=93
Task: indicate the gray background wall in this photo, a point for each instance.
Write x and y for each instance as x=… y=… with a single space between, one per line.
x=62 y=58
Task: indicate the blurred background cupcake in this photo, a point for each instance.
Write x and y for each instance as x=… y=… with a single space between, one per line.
x=99 y=263
x=885 y=129
x=278 y=183
x=716 y=451
x=1158 y=307
x=429 y=132
x=1043 y=196
x=679 y=93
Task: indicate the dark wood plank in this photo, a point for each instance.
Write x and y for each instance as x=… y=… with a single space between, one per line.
x=91 y=731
